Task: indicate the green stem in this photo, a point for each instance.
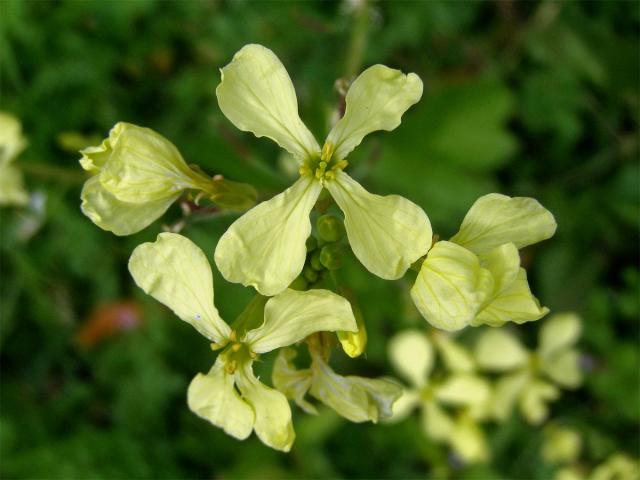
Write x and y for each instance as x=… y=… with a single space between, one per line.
x=358 y=40
x=51 y=172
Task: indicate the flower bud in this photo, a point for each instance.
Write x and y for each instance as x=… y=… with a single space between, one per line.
x=138 y=174
x=354 y=343
x=330 y=228
x=310 y=274
x=138 y=165
x=311 y=243
x=315 y=261
x=331 y=256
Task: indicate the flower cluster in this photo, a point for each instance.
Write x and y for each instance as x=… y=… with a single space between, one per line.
x=459 y=398
x=562 y=447
x=276 y=248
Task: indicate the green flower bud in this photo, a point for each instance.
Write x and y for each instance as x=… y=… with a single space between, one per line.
x=311 y=243
x=310 y=274
x=331 y=256
x=330 y=228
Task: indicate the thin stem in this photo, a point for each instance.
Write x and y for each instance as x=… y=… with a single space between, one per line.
x=51 y=172
x=358 y=39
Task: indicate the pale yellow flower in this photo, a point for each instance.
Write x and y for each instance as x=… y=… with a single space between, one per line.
x=357 y=399
x=175 y=271
x=476 y=277
x=137 y=174
x=464 y=391
x=532 y=380
x=265 y=248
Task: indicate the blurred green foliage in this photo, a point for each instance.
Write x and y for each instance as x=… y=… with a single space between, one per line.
x=525 y=98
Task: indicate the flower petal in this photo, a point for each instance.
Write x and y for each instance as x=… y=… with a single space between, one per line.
x=504 y=264
x=534 y=399
x=293 y=315
x=12 y=191
x=559 y=332
x=405 y=404
x=515 y=304
x=214 y=398
x=456 y=358
x=293 y=383
x=564 y=368
x=355 y=398
x=174 y=271
x=113 y=215
x=376 y=100
x=411 y=353
x=387 y=234
x=468 y=440
x=273 y=423
x=12 y=141
x=561 y=445
x=464 y=390
x=256 y=95
x=437 y=423
x=451 y=286
x=500 y=351
x=496 y=219
x=265 y=247
x=141 y=166
x=508 y=390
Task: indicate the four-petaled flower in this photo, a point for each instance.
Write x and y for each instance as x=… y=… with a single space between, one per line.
x=476 y=278
x=412 y=354
x=532 y=378
x=175 y=271
x=265 y=248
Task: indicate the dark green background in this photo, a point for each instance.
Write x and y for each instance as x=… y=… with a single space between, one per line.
x=524 y=98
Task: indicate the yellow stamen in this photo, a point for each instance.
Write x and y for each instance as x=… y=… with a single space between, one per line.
x=304 y=170
x=341 y=165
x=236 y=346
x=327 y=151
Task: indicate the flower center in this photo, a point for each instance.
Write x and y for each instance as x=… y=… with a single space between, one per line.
x=236 y=353
x=325 y=167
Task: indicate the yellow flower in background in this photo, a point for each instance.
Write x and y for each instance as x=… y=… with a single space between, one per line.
x=357 y=399
x=617 y=467
x=532 y=379
x=265 y=248
x=476 y=277
x=176 y=272
x=12 y=142
x=137 y=174
x=412 y=354
x=561 y=445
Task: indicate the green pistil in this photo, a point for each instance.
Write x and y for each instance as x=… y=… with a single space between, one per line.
x=237 y=353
